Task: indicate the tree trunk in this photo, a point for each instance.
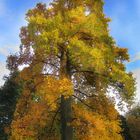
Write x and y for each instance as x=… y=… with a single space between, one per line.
x=66 y=117
x=66 y=109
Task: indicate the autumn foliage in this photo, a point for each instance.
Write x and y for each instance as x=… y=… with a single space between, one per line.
x=70 y=63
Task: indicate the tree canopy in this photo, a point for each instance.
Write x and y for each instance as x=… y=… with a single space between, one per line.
x=133 y=121
x=71 y=62
x=9 y=94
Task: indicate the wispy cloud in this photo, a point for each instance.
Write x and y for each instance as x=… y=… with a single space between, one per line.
x=2 y=8
x=5 y=51
x=3 y=71
x=137 y=76
x=136 y=57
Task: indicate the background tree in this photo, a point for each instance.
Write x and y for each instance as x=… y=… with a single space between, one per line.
x=72 y=60
x=125 y=129
x=9 y=94
x=133 y=121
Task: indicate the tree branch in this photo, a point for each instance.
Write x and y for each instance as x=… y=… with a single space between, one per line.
x=76 y=90
x=83 y=102
x=53 y=119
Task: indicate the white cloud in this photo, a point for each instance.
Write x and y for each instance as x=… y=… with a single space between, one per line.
x=3 y=71
x=136 y=57
x=5 y=51
x=137 y=76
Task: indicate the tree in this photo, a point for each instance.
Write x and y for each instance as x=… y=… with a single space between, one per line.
x=125 y=129
x=133 y=121
x=9 y=93
x=72 y=60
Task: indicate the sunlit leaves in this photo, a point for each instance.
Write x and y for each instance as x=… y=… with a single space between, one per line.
x=93 y=126
x=70 y=54
x=52 y=89
x=89 y=58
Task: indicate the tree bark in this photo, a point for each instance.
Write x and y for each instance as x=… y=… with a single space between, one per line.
x=66 y=117
x=66 y=108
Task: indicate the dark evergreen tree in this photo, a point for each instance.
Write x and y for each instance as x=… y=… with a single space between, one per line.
x=9 y=94
x=125 y=129
x=133 y=121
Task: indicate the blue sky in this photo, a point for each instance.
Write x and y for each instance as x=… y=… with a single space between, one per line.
x=125 y=15
x=125 y=28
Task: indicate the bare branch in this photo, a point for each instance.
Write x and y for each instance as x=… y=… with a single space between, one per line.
x=76 y=90
x=53 y=119
x=84 y=102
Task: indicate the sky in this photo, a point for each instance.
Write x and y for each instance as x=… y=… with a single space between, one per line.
x=124 y=27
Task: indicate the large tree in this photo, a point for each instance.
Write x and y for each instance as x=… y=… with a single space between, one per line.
x=71 y=62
